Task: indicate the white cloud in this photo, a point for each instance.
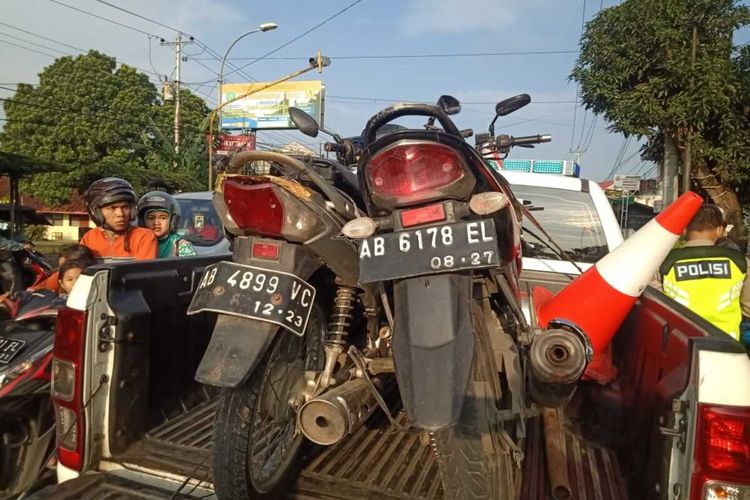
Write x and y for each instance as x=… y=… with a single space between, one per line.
x=457 y=16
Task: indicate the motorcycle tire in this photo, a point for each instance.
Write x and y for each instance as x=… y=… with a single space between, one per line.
x=237 y=418
x=473 y=461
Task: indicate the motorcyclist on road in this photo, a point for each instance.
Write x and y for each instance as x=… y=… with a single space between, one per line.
x=111 y=204
x=160 y=213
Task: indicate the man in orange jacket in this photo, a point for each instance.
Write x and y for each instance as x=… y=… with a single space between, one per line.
x=111 y=204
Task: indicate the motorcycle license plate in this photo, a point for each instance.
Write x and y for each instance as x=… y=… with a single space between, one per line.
x=9 y=348
x=430 y=250
x=255 y=293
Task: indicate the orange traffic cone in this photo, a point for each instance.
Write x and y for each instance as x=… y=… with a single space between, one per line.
x=598 y=301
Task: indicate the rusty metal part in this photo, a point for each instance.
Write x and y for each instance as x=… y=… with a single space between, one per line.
x=327 y=419
x=557 y=359
x=557 y=458
x=381 y=365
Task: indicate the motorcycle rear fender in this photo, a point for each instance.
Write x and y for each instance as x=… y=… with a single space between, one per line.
x=238 y=344
x=433 y=347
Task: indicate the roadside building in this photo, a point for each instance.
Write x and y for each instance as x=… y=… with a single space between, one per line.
x=69 y=220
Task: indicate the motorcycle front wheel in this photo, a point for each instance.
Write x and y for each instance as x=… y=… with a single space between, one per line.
x=256 y=447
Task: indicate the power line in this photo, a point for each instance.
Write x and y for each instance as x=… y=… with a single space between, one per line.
x=81 y=113
x=414 y=56
x=575 y=109
x=330 y=18
x=377 y=99
x=42 y=37
x=34 y=43
x=158 y=23
x=106 y=19
x=140 y=16
x=26 y=48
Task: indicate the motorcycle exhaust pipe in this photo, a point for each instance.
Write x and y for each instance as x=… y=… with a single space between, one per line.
x=557 y=359
x=327 y=419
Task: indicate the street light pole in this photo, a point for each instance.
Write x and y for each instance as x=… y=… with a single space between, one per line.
x=261 y=28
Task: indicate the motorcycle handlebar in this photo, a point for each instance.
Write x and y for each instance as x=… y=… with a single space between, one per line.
x=529 y=139
x=333 y=147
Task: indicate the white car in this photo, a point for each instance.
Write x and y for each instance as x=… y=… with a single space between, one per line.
x=574 y=211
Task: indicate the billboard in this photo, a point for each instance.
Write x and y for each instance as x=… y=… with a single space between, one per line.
x=269 y=108
x=225 y=144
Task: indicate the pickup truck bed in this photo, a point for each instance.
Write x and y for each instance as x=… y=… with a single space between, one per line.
x=180 y=448
x=158 y=432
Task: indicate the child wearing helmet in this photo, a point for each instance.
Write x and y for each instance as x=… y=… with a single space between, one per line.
x=111 y=205
x=160 y=212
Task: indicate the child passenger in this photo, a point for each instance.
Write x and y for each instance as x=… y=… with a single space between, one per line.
x=160 y=212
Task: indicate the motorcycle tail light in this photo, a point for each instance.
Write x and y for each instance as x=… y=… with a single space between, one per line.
x=67 y=365
x=410 y=173
x=721 y=465
x=268 y=210
x=268 y=251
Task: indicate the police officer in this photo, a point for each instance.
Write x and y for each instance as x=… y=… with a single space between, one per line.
x=707 y=279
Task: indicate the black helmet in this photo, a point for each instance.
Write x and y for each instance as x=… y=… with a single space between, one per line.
x=105 y=192
x=159 y=200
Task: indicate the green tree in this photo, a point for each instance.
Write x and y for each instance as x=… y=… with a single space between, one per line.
x=637 y=69
x=95 y=118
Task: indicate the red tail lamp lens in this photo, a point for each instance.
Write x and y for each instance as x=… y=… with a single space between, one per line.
x=423 y=215
x=266 y=251
x=722 y=448
x=726 y=433
x=254 y=207
x=66 y=386
x=411 y=173
x=268 y=210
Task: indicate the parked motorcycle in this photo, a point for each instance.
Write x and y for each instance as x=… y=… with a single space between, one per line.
x=442 y=244
x=272 y=349
x=22 y=269
x=26 y=416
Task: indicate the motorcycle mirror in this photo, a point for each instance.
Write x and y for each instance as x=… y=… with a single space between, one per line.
x=449 y=104
x=511 y=104
x=304 y=122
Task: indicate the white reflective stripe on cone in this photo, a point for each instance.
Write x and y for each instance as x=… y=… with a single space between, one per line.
x=630 y=266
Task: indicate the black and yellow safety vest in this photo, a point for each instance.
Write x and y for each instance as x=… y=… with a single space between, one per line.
x=707 y=280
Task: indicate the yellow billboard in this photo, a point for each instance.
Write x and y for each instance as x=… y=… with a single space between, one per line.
x=269 y=108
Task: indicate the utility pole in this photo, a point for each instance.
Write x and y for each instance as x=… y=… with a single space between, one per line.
x=687 y=155
x=669 y=169
x=177 y=62
x=178 y=58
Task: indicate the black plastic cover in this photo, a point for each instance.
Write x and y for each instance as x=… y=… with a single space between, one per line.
x=433 y=347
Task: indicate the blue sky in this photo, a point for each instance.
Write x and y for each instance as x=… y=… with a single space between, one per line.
x=372 y=27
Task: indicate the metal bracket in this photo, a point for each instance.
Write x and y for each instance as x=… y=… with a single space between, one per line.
x=676 y=421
